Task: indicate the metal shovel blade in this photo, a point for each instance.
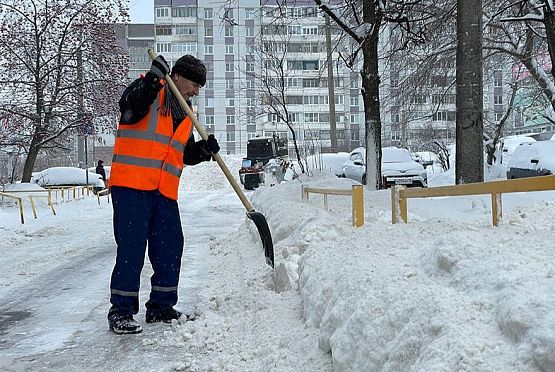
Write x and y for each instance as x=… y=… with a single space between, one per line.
x=264 y=231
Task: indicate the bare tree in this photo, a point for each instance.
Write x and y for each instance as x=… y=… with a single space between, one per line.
x=43 y=85
x=525 y=30
x=364 y=27
x=272 y=78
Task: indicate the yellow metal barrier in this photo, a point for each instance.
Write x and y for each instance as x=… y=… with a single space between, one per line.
x=102 y=193
x=399 y=195
x=357 y=200
x=48 y=196
x=19 y=200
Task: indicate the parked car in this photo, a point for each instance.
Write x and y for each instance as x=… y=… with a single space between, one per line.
x=398 y=168
x=509 y=144
x=332 y=162
x=66 y=176
x=532 y=159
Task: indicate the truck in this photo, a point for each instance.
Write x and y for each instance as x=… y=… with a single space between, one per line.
x=262 y=153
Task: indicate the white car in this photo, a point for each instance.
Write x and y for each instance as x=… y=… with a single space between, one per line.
x=398 y=168
x=509 y=144
x=532 y=159
x=66 y=176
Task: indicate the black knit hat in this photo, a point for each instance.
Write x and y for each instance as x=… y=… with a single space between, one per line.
x=190 y=68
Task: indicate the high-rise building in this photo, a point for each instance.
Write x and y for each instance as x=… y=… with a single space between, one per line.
x=230 y=41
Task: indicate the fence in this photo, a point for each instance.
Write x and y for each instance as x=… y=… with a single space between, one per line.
x=400 y=194
x=77 y=192
x=357 y=204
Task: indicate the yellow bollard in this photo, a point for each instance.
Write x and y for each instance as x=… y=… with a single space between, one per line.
x=358 y=206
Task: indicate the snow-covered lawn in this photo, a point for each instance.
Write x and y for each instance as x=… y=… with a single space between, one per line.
x=445 y=292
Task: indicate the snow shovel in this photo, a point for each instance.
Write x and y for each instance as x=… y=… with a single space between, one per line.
x=258 y=219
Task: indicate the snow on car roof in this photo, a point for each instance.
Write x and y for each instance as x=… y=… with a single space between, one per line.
x=66 y=176
x=543 y=151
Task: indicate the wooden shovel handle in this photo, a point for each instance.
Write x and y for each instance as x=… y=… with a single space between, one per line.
x=204 y=136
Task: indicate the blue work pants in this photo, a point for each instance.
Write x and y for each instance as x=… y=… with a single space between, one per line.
x=141 y=217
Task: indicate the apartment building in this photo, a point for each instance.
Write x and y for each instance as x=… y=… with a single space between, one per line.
x=229 y=41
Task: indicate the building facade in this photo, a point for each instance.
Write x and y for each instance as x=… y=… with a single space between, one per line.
x=230 y=41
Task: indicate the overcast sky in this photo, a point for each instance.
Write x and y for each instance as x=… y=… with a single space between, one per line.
x=141 y=11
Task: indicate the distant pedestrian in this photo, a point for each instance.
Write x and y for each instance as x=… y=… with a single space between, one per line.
x=100 y=170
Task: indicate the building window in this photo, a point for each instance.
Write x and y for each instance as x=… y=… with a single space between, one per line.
x=230 y=102
x=209 y=119
x=163 y=30
x=209 y=49
x=439 y=116
x=250 y=49
x=249 y=31
x=395 y=117
x=229 y=49
x=162 y=12
x=498 y=100
x=230 y=119
x=228 y=30
x=229 y=67
x=186 y=48
x=185 y=30
x=498 y=116
x=208 y=31
x=498 y=78
x=294 y=30
x=229 y=84
x=209 y=101
x=250 y=66
x=209 y=84
x=228 y=13
x=183 y=12
x=230 y=136
x=208 y=14
x=310 y=30
x=249 y=13
x=250 y=102
x=249 y=84
x=354 y=101
x=163 y=47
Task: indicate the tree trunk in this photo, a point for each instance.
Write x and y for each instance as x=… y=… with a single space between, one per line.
x=30 y=161
x=549 y=22
x=371 y=97
x=469 y=158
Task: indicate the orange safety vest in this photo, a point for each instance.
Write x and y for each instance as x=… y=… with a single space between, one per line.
x=148 y=155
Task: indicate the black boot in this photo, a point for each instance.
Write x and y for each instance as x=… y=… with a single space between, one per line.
x=165 y=316
x=121 y=324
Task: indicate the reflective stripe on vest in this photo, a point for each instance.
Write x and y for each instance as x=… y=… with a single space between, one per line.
x=140 y=162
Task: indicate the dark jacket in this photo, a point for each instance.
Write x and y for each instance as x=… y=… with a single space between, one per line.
x=135 y=103
x=100 y=170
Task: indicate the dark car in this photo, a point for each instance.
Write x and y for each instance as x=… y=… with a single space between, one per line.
x=532 y=159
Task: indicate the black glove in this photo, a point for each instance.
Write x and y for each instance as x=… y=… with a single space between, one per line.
x=160 y=67
x=212 y=144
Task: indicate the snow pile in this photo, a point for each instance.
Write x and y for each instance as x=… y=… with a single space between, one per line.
x=427 y=295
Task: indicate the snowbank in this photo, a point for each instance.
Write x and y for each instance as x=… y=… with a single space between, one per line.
x=423 y=296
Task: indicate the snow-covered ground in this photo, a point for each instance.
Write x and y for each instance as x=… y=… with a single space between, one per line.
x=445 y=292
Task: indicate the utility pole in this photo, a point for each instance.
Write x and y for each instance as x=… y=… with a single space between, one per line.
x=331 y=87
x=80 y=110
